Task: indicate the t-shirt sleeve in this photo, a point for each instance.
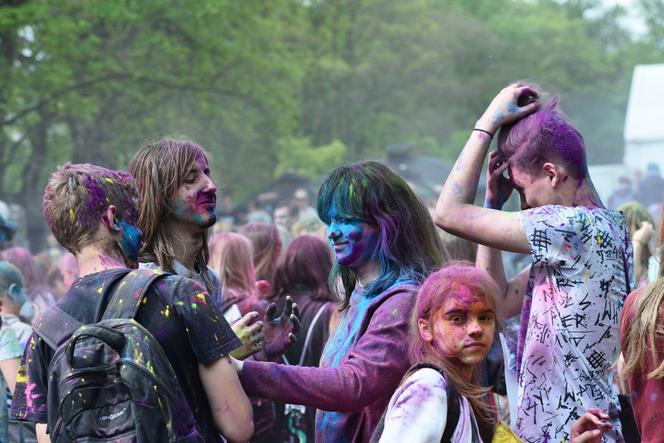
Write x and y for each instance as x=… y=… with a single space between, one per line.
x=209 y=333
x=9 y=345
x=30 y=399
x=418 y=409
x=558 y=235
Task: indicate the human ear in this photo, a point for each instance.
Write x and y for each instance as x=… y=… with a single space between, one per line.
x=553 y=173
x=425 y=329
x=110 y=219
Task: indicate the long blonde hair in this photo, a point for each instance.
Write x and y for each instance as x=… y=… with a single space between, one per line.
x=644 y=328
x=231 y=258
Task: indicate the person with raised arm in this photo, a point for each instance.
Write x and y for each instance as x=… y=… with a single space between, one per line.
x=571 y=296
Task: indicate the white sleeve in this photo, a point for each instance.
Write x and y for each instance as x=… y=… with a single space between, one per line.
x=417 y=411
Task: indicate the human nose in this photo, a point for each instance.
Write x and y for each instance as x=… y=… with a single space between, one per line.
x=210 y=186
x=333 y=231
x=474 y=328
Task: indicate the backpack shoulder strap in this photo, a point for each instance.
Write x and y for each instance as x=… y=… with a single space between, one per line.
x=308 y=336
x=453 y=406
x=129 y=293
x=453 y=402
x=55 y=327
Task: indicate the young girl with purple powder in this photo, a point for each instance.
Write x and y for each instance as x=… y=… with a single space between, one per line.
x=452 y=329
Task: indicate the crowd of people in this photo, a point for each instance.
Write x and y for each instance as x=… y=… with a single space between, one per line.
x=371 y=318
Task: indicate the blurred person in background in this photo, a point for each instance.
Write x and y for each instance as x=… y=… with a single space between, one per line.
x=62 y=274
x=651 y=187
x=10 y=354
x=641 y=229
x=39 y=296
x=266 y=247
x=304 y=210
x=13 y=297
x=302 y=273
x=285 y=214
x=231 y=258
x=623 y=194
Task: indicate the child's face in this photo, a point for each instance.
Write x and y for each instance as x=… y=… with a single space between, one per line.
x=463 y=328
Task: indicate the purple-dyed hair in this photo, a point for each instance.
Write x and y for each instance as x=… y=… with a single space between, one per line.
x=544 y=136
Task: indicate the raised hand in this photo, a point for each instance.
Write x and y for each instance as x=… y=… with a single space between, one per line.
x=511 y=104
x=498 y=187
x=590 y=427
x=249 y=334
x=279 y=332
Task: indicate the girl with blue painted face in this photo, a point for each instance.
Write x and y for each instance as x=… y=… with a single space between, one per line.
x=385 y=245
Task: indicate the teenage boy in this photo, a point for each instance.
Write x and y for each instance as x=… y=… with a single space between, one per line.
x=12 y=295
x=92 y=212
x=571 y=296
x=178 y=204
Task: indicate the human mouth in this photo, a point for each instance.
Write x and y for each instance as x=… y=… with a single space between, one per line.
x=474 y=346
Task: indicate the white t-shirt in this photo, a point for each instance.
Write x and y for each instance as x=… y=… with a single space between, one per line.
x=417 y=412
x=568 y=335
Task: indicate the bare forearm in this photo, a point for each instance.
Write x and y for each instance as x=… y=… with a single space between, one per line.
x=461 y=185
x=491 y=260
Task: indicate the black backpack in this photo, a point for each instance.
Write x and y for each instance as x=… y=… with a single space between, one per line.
x=111 y=381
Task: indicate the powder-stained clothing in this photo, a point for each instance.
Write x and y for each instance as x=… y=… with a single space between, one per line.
x=309 y=310
x=22 y=330
x=213 y=287
x=178 y=313
x=647 y=394
x=568 y=336
x=9 y=350
x=360 y=386
x=417 y=412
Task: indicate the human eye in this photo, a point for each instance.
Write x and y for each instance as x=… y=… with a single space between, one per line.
x=487 y=317
x=456 y=319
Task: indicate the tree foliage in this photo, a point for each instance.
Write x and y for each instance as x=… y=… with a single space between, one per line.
x=294 y=86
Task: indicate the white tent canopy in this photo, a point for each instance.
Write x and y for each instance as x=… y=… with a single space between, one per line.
x=644 y=123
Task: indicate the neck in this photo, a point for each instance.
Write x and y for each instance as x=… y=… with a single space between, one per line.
x=92 y=259
x=367 y=273
x=189 y=243
x=585 y=194
x=467 y=372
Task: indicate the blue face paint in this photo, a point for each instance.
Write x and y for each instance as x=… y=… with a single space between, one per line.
x=132 y=239
x=353 y=241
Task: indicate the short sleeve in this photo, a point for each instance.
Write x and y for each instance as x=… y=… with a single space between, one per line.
x=9 y=345
x=30 y=398
x=209 y=333
x=558 y=235
x=418 y=409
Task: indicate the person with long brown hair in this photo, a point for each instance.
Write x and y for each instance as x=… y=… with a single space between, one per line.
x=302 y=273
x=266 y=245
x=178 y=203
x=177 y=206
x=642 y=345
x=385 y=245
x=451 y=331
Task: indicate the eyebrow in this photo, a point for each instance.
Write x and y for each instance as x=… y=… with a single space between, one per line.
x=464 y=311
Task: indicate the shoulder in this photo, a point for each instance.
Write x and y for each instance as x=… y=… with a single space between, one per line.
x=399 y=296
x=427 y=377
